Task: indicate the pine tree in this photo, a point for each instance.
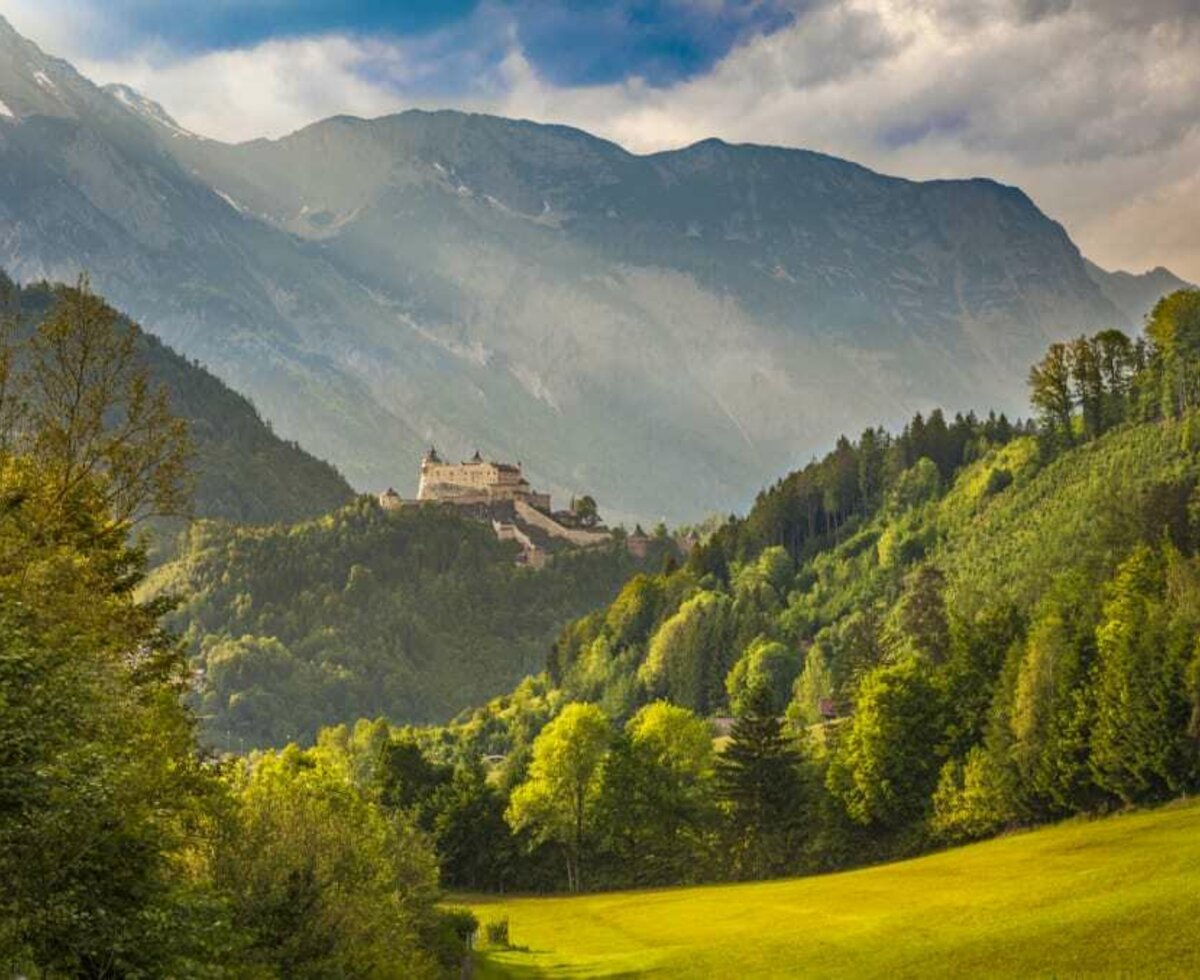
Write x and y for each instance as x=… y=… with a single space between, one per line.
x=758 y=782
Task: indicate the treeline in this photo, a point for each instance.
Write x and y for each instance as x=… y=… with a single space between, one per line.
x=595 y=803
x=1083 y=388
x=1006 y=635
x=412 y=614
x=814 y=507
x=124 y=852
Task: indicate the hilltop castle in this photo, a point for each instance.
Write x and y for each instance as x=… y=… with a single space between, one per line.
x=476 y=481
x=499 y=493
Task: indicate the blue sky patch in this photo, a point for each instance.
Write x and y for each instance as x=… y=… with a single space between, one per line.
x=569 y=42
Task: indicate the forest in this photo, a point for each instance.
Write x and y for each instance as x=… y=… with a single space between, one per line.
x=238 y=469
x=921 y=639
x=126 y=850
x=412 y=614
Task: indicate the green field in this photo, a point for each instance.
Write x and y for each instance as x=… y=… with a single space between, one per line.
x=1112 y=897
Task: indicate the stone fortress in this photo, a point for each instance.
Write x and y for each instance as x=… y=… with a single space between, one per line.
x=476 y=481
x=500 y=494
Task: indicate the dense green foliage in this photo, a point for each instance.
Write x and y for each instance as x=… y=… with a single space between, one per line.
x=242 y=470
x=968 y=627
x=123 y=851
x=411 y=614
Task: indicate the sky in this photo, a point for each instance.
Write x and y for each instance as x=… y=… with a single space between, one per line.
x=1091 y=106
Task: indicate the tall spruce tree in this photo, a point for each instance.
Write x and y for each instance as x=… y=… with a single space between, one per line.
x=758 y=781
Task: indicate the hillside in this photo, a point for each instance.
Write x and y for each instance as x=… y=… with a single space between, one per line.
x=1113 y=897
x=1000 y=534
x=665 y=331
x=243 y=471
x=410 y=615
x=931 y=636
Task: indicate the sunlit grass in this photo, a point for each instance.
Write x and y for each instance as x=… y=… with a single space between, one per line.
x=1112 y=897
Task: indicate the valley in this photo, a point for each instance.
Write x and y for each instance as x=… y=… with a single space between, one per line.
x=435 y=543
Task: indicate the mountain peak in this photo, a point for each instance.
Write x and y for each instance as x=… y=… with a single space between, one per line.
x=147 y=108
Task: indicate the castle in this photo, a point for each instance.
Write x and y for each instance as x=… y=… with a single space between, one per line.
x=476 y=481
x=499 y=493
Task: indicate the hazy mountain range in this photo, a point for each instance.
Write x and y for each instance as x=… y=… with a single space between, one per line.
x=243 y=471
x=666 y=332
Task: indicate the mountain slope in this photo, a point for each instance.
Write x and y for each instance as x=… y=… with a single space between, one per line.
x=665 y=331
x=244 y=472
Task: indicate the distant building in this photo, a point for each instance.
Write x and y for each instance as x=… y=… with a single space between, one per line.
x=499 y=493
x=390 y=500
x=477 y=481
x=638 y=544
x=686 y=543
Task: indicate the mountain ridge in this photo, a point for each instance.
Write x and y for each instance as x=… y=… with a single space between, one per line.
x=665 y=331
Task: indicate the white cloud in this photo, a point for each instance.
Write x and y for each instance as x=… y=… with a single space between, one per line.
x=269 y=90
x=1090 y=107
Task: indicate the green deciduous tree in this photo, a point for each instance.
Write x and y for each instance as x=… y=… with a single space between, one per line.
x=95 y=418
x=1050 y=391
x=767 y=668
x=1174 y=332
x=100 y=791
x=657 y=805
x=887 y=761
x=1140 y=748
x=322 y=881
x=557 y=800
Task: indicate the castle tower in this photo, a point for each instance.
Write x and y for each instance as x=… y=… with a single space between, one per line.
x=428 y=461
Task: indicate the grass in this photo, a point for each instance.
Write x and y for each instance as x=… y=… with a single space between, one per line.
x=1112 y=897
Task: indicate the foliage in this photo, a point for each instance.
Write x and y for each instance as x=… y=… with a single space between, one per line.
x=759 y=785
x=123 y=851
x=557 y=801
x=496 y=932
x=887 y=762
x=240 y=470
x=413 y=614
x=970 y=626
x=323 y=881
x=657 y=812
x=99 y=787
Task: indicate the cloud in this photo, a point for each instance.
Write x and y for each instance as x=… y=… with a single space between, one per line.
x=1089 y=105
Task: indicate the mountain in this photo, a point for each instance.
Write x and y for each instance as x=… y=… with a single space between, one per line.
x=663 y=331
x=244 y=472
x=1134 y=294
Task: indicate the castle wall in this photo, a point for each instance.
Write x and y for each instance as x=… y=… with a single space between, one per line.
x=580 y=538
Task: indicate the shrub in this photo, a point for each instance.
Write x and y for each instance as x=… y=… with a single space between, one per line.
x=497 y=932
x=997 y=481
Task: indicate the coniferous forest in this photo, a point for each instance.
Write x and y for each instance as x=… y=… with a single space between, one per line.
x=924 y=638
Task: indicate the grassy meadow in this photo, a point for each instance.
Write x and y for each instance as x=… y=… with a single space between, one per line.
x=1112 y=897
